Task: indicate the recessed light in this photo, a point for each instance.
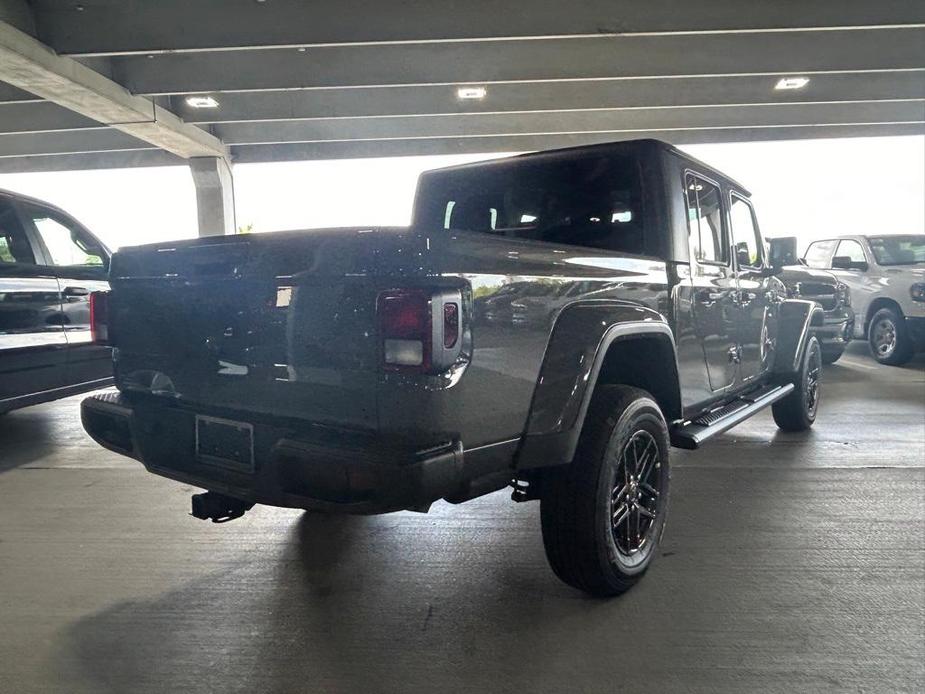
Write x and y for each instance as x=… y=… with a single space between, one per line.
x=201 y=102
x=471 y=93
x=791 y=82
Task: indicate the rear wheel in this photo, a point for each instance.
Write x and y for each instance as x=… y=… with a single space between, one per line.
x=797 y=411
x=889 y=340
x=603 y=515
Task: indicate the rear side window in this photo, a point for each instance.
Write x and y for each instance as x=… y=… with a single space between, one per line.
x=67 y=244
x=705 y=220
x=14 y=246
x=818 y=254
x=898 y=250
x=588 y=201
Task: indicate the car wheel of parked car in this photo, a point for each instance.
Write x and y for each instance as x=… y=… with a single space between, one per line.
x=830 y=355
x=603 y=514
x=889 y=340
x=797 y=411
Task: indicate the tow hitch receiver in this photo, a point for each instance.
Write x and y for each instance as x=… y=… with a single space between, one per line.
x=218 y=508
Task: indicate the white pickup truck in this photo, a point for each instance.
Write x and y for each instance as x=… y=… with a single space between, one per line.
x=886 y=276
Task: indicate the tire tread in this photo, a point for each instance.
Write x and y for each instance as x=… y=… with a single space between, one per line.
x=568 y=508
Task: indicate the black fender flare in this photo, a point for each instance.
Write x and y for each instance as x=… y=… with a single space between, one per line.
x=579 y=342
x=796 y=320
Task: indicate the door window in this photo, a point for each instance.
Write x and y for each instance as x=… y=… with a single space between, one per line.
x=67 y=244
x=14 y=246
x=745 y=233
x=818 y=254
x=852 y=250
x=705 y=220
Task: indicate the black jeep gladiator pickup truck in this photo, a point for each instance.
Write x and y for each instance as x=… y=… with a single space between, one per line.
x=348 y=370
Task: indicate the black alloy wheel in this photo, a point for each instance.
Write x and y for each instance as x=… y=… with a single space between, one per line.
x=604 y=513
x=634 y=502
x=797 y=411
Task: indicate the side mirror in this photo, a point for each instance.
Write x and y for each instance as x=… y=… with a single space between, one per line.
x=742 y=255
x=844 y=262
x=783 y=251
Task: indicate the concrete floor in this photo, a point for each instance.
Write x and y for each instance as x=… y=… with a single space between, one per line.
x=790 y=563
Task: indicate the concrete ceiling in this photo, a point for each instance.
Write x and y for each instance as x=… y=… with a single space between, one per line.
x=326 y=79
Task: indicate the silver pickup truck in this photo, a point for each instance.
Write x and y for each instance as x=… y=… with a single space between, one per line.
x=886 y=275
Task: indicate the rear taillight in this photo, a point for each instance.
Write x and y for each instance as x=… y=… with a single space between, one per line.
x=99 y=317
x=405 y=329
x=419 y=329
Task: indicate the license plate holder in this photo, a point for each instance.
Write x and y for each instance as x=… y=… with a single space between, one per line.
x=225 y=443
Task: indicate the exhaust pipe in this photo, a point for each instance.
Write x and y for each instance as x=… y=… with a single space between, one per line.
x=218 y=508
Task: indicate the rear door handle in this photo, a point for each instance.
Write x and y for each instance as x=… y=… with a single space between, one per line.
x=76 y=291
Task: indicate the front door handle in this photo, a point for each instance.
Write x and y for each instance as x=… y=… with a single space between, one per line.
x=76 y=291
x=708 y=298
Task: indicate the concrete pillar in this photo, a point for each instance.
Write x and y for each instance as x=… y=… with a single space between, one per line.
x=214 y=195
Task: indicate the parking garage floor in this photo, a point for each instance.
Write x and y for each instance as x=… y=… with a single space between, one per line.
x=790 y=563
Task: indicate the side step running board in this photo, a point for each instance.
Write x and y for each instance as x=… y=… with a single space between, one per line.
x=692 y=434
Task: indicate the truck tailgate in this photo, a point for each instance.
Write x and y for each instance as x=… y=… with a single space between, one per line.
x=280 y=324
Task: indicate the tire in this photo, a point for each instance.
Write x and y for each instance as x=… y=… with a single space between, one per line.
x=583 y=546
x=797 y=411
x=830 y=355
x=889 y=340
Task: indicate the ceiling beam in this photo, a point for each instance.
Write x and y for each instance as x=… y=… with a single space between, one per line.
x=599 y=59
x=113 y=27
x=123 y=159
x=30 y=65
x=42 y=117
x=244 y=154
x=10 y=94
x=68 y=142
x=18 y=13
x=373 y=133
x=555 y=123
x=546 y=96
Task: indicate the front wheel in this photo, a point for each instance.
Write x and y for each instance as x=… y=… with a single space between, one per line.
x=797 y=411
x=603 y=514
x=889 y=340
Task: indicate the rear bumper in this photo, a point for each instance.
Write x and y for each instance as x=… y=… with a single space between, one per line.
x=294 y=467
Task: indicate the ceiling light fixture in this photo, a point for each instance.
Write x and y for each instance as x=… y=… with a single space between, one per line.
x=471 y=93
x=202 y=102
x=791 y=82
